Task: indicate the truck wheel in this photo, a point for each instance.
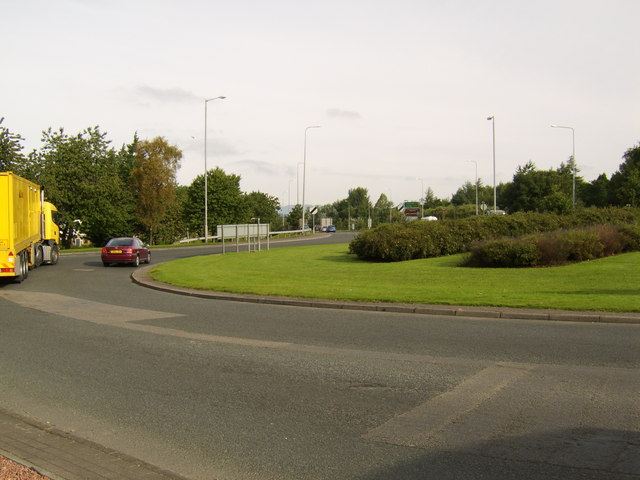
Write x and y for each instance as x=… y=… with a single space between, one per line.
x=25 y=263
x=39 y=255
x=22 y=269
x=55 y=255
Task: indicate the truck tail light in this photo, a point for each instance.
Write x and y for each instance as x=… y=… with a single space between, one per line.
x=11 y=258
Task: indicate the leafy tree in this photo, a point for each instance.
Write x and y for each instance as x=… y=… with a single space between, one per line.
x=263 y=206
x=625 y=183
x=430 y=199
x=526 y=189
x=466 y=194
x=154 y=181
x=225 y=201
x=384 y=211
x=11 y=156
x=294 y=217
x=359 y=206
x=556 y=202
x=174 y=227
x=597 y=193
x=564 y=179
x=83 y=177
x=530 y=188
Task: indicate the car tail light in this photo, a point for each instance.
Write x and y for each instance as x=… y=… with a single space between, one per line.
x=104 y=250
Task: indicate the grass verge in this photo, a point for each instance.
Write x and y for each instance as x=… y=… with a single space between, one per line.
x=608 y=284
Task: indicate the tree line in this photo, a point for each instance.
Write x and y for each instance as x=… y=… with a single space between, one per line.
x=103 y=192
x=531 y=190
x=535 y=190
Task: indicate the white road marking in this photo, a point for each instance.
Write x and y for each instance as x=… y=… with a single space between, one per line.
x=79 y=309
x=426 y=423
x=579 y=417
x=118 y=316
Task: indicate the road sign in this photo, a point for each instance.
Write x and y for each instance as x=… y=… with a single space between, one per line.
x=412 y=212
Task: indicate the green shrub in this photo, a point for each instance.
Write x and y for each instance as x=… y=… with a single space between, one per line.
x=552 y=249
x=631 y=237
x=418 y=239
x=612 y=239
x=504 y=252
x=555 y=248
x=583 y=245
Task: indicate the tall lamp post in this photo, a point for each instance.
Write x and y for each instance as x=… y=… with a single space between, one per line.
x=304 y=169
x=206 y=210
x=298 y=183
x=573 y=157
x=493 y=125
x=476 y=164
x=422 y=197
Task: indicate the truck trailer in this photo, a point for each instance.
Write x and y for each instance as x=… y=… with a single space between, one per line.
x=29 y=236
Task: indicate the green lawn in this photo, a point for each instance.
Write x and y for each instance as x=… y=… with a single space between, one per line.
x=610 y=284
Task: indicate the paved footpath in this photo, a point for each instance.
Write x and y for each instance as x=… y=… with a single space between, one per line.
x=63 y=456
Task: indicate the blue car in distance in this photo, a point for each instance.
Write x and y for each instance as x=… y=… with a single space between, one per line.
x=331 y=229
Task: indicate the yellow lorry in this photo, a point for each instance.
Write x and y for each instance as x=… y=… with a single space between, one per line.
x=28 y=235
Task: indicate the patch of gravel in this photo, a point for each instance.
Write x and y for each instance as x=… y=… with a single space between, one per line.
x=10 y=470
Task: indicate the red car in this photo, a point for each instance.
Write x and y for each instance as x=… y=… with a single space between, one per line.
x=125 y=250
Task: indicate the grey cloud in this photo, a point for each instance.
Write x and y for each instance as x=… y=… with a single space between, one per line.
x=257 y=166
x=337 y=113
x=165 y=94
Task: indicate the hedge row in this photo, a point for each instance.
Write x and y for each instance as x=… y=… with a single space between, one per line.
x=408 y=241
x=555 y=248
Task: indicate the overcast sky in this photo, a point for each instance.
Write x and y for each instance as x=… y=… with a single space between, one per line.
x=401 y=89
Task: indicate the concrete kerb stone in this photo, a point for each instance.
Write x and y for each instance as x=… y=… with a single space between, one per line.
x=478 y=313
x=142 y=277
x=524 y=315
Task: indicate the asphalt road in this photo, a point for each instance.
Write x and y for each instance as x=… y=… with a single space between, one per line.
x=230 y=390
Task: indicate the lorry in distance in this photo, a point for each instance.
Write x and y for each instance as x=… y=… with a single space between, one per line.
x=29 y=236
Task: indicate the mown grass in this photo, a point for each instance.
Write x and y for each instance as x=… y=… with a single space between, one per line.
x=609 y=284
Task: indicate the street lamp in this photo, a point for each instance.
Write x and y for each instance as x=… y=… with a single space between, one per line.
x=573 y=157
x=422 y=197
x=298 y=183
x=476 y=164
x=206 y=220
x=493 y=124
x=304 y=170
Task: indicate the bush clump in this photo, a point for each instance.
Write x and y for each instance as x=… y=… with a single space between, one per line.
x=409 y=241
x=554 y=248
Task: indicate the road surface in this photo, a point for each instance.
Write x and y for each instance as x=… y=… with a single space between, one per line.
x=230 y=390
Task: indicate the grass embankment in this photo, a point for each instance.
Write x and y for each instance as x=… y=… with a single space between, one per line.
x=609 y=284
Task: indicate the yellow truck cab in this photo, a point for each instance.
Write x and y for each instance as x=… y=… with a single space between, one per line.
x=29 y=236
